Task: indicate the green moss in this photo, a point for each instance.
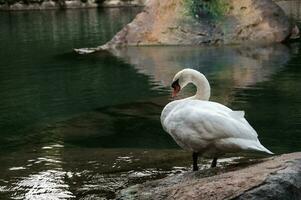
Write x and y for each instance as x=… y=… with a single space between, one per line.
x=206 y=8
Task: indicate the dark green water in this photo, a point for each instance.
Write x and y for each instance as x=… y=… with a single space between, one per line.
x=87 y=126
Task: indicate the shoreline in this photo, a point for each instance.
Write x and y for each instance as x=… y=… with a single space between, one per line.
x=28 y=5
x=69 y=4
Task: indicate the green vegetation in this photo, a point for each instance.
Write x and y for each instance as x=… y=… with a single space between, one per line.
x=209 y=8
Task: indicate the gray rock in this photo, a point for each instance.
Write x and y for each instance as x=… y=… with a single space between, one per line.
x=274 y=178
x=284 y=184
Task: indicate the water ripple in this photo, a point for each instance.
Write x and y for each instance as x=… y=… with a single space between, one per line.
x=47 y=184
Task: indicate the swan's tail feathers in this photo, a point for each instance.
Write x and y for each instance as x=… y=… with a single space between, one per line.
x=263 y=149
x=248 y=145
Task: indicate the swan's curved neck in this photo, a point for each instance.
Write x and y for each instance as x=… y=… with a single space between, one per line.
x=202 y=85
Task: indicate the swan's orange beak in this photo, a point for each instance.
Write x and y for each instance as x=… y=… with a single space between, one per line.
x=176 y=88
x=175 y=91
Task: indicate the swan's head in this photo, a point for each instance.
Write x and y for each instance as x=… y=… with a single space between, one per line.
x=185 y=76
x=181 y=79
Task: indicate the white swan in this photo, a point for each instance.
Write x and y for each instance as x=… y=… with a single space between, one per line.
x=205 y=127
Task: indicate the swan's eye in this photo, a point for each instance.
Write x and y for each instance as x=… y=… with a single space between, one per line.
x=175 y=84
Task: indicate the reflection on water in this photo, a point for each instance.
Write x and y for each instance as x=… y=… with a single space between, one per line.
x=45 y=185
x=84 y=127
x=238 y=67
x=94 y=173
x=45 y=177
x=40 y=83
x=247 y=65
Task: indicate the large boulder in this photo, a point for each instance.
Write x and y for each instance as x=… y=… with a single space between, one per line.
x=274 y=178
x=203 y=22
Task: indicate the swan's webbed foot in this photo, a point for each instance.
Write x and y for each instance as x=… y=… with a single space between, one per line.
x=195 y=161
x=214 y=162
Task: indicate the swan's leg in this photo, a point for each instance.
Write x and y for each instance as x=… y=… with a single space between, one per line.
x=195 y=161
x=214 y=162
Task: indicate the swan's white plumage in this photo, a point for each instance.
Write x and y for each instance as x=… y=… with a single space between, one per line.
x=208 y=127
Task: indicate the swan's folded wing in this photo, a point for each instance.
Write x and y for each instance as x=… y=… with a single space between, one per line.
x=238 y=114
x=211 y=125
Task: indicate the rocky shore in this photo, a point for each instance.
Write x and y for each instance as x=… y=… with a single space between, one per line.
x=274 y=178
x=14 y=5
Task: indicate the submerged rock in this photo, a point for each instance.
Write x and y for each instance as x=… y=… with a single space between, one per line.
x=274 y=178
x=191 y=22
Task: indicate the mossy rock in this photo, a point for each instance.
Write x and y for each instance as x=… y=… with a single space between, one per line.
x=206 y=8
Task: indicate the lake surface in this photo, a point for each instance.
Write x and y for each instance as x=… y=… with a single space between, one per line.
x=84 y=127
